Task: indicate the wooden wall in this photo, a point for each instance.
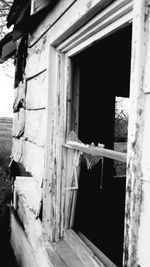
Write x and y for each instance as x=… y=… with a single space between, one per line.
x=30 y=122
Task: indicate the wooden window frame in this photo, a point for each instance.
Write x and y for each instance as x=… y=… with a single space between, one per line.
x=59 y=86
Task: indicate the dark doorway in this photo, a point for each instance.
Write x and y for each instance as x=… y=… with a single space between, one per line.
x=104 y=74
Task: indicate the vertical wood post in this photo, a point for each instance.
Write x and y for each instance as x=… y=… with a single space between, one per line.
x=49 y=183
x=136 y=189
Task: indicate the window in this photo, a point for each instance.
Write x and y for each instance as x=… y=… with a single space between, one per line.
x=75 y=55
x=103 y=80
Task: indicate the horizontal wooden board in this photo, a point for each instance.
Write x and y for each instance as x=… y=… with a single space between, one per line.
x=35 y=127
x=36 y=91
x=33 y=160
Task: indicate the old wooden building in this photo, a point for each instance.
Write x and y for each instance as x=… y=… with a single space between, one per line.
x=73 y=59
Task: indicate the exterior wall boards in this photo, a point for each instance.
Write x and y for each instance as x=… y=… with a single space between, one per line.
x=39 y=131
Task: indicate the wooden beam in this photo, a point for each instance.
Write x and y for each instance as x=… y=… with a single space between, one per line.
x=97 y=151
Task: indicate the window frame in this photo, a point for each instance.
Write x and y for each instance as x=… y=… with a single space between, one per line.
x=59 y=107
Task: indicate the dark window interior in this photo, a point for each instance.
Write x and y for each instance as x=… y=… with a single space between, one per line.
x=104 y=74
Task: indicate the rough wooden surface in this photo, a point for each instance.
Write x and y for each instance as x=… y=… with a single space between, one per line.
x=51 y=18
x=27 y=254
x=83 y=252
x=135 y=195
x=33 y=160
x=21 y=246
x=18 y=123
x=19 y=96
x=36 y=90
x=17 y=149
x=35 y=127
x=37 y=54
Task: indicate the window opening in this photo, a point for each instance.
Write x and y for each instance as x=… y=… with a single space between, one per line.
x=104 y=78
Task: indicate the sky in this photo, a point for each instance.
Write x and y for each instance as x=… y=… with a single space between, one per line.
x=6 y=92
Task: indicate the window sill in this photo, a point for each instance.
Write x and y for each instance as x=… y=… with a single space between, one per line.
x=72 y=251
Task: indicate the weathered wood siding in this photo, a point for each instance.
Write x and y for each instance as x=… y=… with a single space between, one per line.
x=40 y=128
x=137 y=217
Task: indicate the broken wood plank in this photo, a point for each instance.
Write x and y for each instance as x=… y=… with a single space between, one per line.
x=97 y=151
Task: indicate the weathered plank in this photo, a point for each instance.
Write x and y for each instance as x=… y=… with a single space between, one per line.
x=134 y=187
x=60 y=31
x=36 y=90
x=97 y=151
x=29 y=193
x=83 y=252
x=18 y=123
x=22 y=249
x=49 y=182
x=33 y=160
x=27 y=253
x=97 y=253
x=37 y=57
x=17 y=149
x=55 y=259
x=144 y=231
x=51 y=18
x=35 y=127
x=67 y=254
x=19 y=96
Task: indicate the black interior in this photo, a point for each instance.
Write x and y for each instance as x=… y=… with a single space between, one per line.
x=104 y=74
